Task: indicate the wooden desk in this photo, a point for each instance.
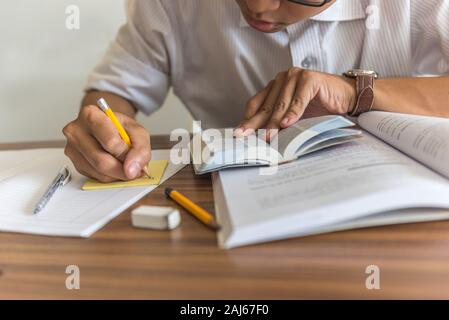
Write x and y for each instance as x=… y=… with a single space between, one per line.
x=122 y=262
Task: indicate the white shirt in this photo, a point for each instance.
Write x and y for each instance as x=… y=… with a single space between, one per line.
x=215 y=62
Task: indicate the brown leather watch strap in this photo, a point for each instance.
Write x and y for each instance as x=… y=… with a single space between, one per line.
x=365 y=94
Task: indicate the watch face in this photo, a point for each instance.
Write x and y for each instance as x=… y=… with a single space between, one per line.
x=361 y=72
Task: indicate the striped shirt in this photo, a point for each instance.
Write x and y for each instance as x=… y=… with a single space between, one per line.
x=215 y=62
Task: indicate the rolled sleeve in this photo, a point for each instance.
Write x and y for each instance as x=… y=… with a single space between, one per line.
x=136 y=64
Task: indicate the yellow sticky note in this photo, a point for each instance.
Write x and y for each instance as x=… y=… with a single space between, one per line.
x=156 y=168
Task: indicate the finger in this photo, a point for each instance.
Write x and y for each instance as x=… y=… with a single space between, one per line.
x=252 y=106
x=91 y=150
x=284 y=100
x=263 y=114
x=84 y=167
x=139 y=155
x=256 y=102
x=306 y=90
x=104 y=131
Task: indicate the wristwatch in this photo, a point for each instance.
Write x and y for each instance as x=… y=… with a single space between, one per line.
x=365 y=90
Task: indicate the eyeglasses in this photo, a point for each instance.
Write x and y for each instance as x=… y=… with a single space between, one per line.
x=311 y=3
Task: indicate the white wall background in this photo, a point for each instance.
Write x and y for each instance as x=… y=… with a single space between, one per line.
x=44 y=66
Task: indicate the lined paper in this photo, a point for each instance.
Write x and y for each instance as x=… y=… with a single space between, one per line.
x=71 y=211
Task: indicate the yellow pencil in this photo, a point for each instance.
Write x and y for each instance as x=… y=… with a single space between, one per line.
x=198 y=212
x=103 y=105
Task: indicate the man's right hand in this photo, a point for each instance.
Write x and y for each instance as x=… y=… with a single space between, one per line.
x=97 y=150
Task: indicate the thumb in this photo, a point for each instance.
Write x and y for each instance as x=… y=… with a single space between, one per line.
x=139 y=155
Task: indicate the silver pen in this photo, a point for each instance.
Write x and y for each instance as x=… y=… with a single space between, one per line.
x=60 y=180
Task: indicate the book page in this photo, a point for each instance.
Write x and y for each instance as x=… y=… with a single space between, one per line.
x=219 y=149
x=425 y=139
x=290 y=140
x=331 y=186
x=306 y=128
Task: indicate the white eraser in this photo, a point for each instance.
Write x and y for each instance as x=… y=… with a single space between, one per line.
x=159 y=218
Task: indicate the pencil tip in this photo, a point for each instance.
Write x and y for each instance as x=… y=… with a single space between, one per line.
x=168 y=191
x=147 y=172
x=214 y=225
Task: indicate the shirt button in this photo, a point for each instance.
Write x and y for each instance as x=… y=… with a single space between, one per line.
x=307 y=62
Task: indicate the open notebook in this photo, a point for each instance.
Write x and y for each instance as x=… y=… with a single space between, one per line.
x=71 y=212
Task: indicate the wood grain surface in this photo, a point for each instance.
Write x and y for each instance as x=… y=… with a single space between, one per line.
x=120 y=262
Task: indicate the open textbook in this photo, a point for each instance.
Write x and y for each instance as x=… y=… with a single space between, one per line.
x=397 y=173
x=71 y=211
x=219 y=149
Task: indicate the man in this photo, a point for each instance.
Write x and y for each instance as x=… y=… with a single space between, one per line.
x=217 y=54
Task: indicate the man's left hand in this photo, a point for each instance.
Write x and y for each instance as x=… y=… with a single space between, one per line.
x=284 y=100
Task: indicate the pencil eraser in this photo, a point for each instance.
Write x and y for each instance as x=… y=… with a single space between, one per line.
x=158 y=218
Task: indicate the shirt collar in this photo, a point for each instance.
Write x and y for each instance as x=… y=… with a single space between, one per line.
x=243 y=22
x=341 y=10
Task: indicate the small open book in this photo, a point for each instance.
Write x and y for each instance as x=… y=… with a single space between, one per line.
x=214 y=150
